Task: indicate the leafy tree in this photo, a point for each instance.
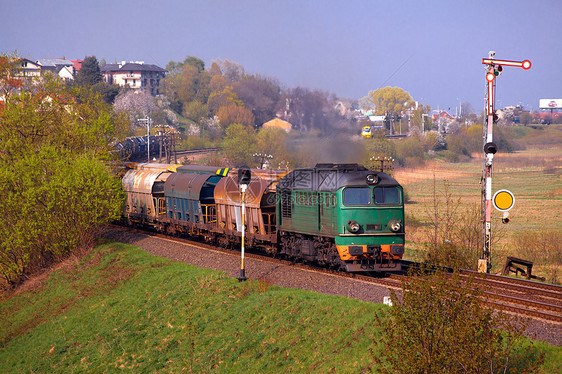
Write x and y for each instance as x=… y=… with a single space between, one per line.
x=175 y=67
x=239 y=144
x=232 y=113
x=89 y=73
x=55 y=189
x=10 y=81
x=195 y=110
x=185 y=85
x=380 y=146
x=223 y=97
x=389 y=101
x=195 y=62
x=108 y=92
x=411 y=150
x=431 y=141
x=272 y=141
x=260 y=95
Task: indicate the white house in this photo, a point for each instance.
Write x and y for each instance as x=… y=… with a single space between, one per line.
x=137 y=75
x=62 y=67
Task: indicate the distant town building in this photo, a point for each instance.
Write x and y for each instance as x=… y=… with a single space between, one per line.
x=137 y=75
x=77 y=65
x=278 y=123
x=443 y=120
x=60 y=66
x=28 y=68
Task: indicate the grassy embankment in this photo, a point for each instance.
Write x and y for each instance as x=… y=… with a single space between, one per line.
x=122 y=309
x=532 y=175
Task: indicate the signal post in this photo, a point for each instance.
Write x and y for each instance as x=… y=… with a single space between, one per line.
x=493 y=69
x=244 y=178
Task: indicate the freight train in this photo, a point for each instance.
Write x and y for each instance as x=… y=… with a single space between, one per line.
x=136 y=147
x=341 y=216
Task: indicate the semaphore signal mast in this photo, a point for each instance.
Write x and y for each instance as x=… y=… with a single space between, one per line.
x=493 y=69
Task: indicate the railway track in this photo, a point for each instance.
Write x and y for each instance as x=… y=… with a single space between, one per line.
x=522 y=297
x=536 y=299
x=196 y=151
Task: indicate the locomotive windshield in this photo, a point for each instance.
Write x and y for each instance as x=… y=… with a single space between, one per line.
x=387 y=196
x=357 y=196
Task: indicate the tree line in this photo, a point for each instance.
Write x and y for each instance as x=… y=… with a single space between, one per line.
x=56 y=187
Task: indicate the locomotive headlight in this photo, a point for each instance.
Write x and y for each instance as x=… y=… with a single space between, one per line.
x=353 y=226
x=372 y=179
x=395 y=225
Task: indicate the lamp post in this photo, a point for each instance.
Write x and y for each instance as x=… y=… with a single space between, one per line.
x=244 y=178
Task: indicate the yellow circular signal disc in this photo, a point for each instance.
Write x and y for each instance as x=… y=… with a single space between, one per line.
x=503 y=200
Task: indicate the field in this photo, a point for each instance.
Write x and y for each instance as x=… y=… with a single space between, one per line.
x=532 y=175
x=121 y=309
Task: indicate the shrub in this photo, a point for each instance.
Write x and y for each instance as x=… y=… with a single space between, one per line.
x=441 y=325
x=453 y=236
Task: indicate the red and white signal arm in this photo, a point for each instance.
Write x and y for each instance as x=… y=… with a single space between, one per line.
x=526 y=64
x=503 y=200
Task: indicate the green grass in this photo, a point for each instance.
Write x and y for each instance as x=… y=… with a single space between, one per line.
x=121 y=309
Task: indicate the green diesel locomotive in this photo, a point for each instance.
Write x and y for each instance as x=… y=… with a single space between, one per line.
x=342 y=215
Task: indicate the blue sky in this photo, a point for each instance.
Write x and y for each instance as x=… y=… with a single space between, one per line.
x=433 y=48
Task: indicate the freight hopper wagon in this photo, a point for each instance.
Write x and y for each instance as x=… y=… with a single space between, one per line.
x=144 y=189
x=202 y=201
x=342 y=215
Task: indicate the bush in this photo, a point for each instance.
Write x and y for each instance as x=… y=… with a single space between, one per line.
x=441 y=325
x=56 y=188
x=541 y=247
x=453 y=236
x=411 y=147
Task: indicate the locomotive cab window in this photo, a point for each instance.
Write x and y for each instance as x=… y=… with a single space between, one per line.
x=357 y=196
x=387 y=196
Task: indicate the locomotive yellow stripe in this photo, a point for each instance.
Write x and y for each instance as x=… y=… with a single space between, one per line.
x=223 y=172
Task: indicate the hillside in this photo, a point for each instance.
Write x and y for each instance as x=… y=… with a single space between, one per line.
x=119 y=308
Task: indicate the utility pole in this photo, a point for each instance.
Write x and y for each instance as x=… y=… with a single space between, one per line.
x=493 y=69
x=147 y=121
